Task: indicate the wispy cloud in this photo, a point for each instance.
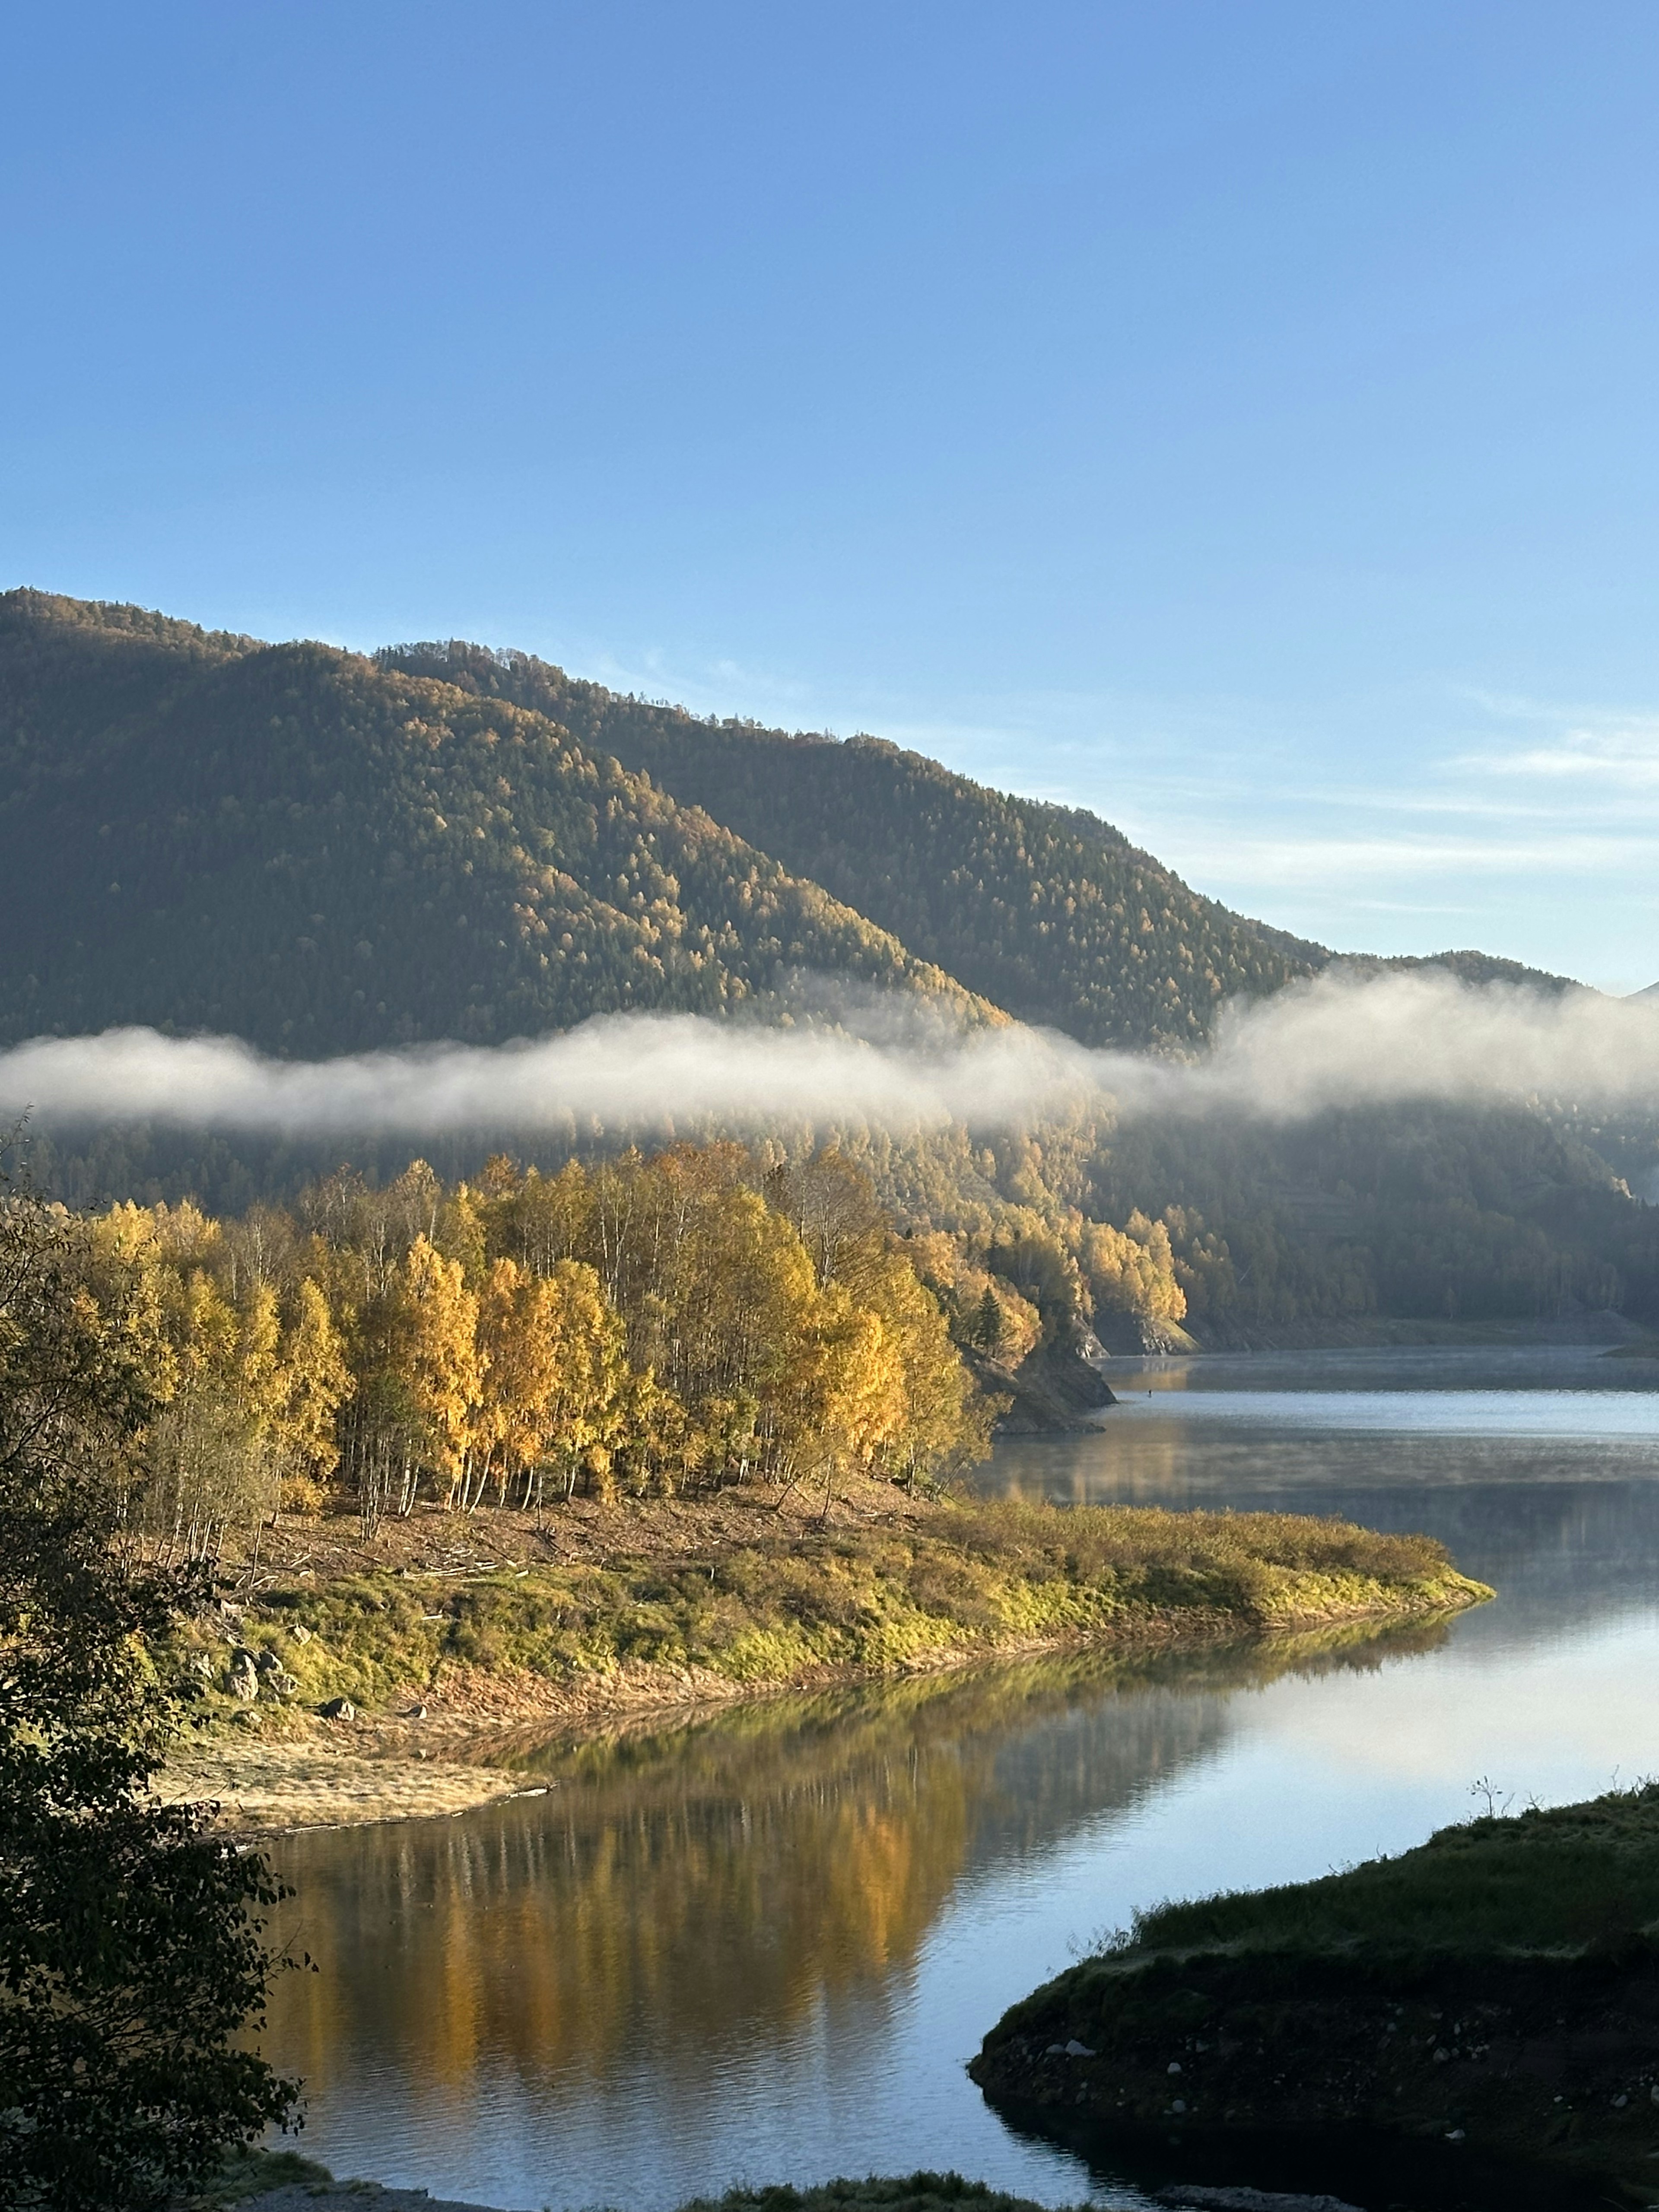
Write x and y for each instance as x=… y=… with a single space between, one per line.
x=1339 y=1040
x=1623 y=758
x=1589 y=746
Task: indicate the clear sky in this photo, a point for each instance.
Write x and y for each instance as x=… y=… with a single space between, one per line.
x=1240 y=419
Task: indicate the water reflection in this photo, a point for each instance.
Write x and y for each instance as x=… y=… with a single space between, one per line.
x=715 y=1893
x=763 y=1946
x=1561 y=1516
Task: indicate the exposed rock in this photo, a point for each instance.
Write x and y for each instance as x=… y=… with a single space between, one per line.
x=300 y=1632
x=1054 y=1392
x=336 y=1708
x=269 y=1662
x=1553 y=2060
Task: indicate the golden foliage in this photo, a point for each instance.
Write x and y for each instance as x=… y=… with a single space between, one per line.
x=655 y=1324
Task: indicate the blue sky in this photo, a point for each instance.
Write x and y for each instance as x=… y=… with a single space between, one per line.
x=1236 y=418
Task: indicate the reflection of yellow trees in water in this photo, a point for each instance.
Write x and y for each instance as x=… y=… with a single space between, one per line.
x=673 y=1891
x=1151 y=1465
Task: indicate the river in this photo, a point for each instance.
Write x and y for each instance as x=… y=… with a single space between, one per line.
x=762 y=1947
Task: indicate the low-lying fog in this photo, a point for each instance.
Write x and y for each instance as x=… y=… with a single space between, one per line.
x=1337 y=1040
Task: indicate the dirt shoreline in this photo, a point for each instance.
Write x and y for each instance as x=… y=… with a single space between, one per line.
x=452 y=1758
x=345 y=1677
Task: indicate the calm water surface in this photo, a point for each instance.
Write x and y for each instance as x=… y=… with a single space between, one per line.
x=763 y=1948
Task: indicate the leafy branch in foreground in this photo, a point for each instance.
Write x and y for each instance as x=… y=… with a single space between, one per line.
x=130 y=1955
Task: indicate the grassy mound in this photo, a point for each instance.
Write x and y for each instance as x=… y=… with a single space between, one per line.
x=1497 y=1987
x=1557 y=1882
x=767 y=1602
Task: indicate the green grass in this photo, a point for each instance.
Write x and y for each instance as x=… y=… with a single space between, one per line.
x=1494 y=1988
x=910 y=2192
x=968 y=1577
x=250 y=2172
x=1561 y=1881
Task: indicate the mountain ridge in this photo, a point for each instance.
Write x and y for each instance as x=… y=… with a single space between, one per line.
x=289 y=844
x=1047 y=910
x=323 y=851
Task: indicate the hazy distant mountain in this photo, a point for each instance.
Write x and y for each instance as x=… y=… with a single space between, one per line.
x=320 y=853
x=1047 y=910
x=294 y=845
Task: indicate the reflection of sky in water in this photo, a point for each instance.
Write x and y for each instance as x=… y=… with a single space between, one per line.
x=764 y=1949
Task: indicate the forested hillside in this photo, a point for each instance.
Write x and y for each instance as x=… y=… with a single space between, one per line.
x=293 y=845
x=318 y=852
x=1431 y=1213
x=1045 y=910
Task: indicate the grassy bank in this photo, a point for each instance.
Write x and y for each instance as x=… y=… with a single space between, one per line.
x=263 y=2181
x=1497 y=1988
x=441 y=1629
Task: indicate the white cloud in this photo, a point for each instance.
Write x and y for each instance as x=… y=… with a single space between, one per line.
x=1608 y=748
x=1335 y=1041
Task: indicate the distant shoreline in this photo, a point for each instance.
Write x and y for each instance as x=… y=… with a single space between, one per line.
x=1611 y=1332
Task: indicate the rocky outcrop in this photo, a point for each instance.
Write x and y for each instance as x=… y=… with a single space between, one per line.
x=1057 y=1390
x=1546 y=2060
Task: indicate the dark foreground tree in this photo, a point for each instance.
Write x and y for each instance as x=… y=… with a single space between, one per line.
x=130 y=1955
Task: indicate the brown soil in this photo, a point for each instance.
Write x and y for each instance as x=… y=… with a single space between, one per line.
x=436 y=1542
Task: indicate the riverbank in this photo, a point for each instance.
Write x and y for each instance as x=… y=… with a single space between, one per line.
x=347 y=1680
x=1496 y=1990
x=282 y=2182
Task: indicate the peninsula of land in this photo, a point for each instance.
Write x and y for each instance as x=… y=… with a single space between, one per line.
x=344 y=1678
x=1495 y=1991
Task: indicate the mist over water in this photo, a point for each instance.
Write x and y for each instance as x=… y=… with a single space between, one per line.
x=1339 y=1040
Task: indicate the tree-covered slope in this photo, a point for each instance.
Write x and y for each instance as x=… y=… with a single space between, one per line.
x=1047 y=910
x=320 y=854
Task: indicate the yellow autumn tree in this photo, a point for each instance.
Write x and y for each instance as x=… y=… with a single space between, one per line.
x=443 y=1372
x=519 y=1363
x=1132 y=1270
x=592 y=1402
x=311 y=1384
x=207 y=1467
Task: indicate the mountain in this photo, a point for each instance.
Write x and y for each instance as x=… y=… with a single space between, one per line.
x=1045 y=910
x=320 y=854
